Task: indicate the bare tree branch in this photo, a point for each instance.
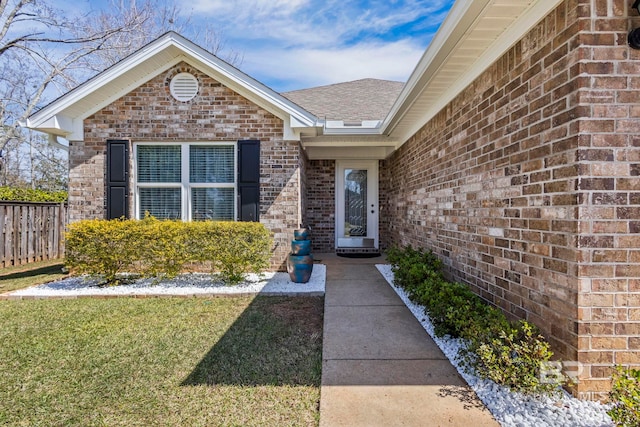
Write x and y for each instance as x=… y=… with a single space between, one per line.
x=45 y=52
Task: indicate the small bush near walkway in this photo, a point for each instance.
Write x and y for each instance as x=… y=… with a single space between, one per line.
x=154 y=248
x=512 y=354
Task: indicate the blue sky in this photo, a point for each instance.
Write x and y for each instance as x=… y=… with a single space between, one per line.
x=295 y=44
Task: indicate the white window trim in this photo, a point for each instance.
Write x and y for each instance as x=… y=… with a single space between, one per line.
x=184 y=183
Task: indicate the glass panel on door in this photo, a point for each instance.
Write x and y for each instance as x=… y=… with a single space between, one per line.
x=355 y=203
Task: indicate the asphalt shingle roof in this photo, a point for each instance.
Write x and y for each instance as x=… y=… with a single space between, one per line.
x=366 y=99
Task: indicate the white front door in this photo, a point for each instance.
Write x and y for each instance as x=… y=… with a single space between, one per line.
x=357 y=204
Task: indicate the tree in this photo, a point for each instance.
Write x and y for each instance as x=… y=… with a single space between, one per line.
x=45 y=52
x=47 y=167
x=41 y=48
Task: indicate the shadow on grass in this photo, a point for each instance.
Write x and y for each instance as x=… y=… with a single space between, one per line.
x=51 y=269
x=276 y=341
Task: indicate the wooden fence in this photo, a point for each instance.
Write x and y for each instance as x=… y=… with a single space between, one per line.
x=31 y=232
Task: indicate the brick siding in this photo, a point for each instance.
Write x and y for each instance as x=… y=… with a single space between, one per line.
x=528 y=186
x=320 y=214
x=150 y=113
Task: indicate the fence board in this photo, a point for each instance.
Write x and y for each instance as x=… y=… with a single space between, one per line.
x=3 y=230
x=31 y=232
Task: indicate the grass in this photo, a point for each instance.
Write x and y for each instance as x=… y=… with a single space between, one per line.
x=37 y=273
x=161 y=361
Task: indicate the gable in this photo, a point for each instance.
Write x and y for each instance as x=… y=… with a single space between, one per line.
x=150 y=112
x=65 y=116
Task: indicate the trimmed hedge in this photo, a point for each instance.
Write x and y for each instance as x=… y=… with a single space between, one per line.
x=155 y=248
x=512 y=354
x=29 y=195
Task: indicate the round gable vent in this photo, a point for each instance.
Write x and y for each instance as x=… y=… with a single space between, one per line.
x=184 y=87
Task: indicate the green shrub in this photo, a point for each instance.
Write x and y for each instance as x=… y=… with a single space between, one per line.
x=154 y=248
x=412 y=268
x=29 y=195
x=455 y=310
x=511 y=354
x=162 y=247
x=514 y=357
x=99 y=247
x=625 y=397
x=232 y=248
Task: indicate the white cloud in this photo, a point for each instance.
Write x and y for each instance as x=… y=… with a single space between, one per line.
x=314 y=67
x=311 y=22
x=243 y=10
x=293 y=44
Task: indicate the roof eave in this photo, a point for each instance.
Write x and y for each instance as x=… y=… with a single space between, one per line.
x=458 y=25
x=348 y=146
x=190 y=52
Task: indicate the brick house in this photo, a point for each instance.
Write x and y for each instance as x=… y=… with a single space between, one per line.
x=513 y=151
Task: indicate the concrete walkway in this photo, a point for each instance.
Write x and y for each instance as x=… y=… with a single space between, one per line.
x=380 y=367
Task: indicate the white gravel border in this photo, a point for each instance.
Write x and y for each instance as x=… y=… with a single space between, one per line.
x=508 y=408
x=184 y=285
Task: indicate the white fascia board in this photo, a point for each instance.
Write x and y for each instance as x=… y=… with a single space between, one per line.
x=290 y=132
x=78 y=131
x=351 y=131
x=96 y=82
x=342 y=143
x=295 y=123
x=461 y=17
x=190 y=52
x=509 y=37
x=351 y=153
x=59 y=125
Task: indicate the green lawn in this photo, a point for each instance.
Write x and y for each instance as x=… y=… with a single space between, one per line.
x=23 y=276
x=161 y=361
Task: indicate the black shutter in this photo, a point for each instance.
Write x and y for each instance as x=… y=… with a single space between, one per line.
x=117 y=179
x=249 y=180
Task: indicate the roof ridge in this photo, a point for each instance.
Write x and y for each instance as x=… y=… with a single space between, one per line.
x=344 y=83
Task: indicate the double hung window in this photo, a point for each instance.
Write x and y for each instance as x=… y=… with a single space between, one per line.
x=188 y=181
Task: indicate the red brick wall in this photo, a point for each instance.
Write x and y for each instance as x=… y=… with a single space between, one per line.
x=528 y=186
x=150 y=113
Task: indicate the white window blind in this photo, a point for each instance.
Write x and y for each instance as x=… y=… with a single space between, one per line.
x=211 y=164
x=159 y=163
x=162 y=203
x=193 y=181
x=212 y=203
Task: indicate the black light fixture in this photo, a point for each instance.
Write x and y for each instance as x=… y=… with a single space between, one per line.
x=633 y=39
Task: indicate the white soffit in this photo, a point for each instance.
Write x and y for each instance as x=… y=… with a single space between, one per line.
x=349 y=153
x=334 y=147
x=111 y=84
x=474 y=35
